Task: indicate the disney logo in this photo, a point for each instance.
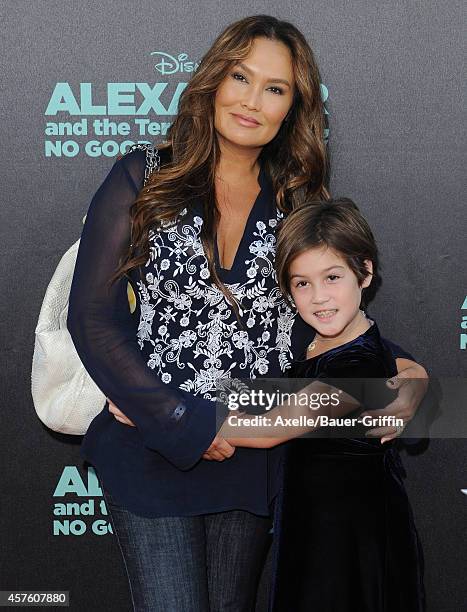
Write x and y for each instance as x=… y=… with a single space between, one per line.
x=168 y=64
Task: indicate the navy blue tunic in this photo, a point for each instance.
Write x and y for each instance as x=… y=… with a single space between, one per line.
x=160 y=365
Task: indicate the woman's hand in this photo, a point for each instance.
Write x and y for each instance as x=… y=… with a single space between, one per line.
x=219 y=450
x=118 y=414
x=412 y=382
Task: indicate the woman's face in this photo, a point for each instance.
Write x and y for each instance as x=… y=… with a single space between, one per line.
x=260 y=88
x=326 y=291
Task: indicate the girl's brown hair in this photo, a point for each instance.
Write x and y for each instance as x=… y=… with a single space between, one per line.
x=336 y=224
x=295 y=159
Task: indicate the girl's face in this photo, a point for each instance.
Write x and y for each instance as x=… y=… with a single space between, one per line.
x=326 y=291
x=259 y=89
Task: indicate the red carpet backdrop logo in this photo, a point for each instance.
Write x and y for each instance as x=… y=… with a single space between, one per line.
x=89 y=126
x=463 y=336
x=88 y=513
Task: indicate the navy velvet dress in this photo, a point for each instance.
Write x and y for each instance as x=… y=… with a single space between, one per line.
x=345 y=539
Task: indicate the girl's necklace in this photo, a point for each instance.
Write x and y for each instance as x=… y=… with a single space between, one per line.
x=311 y=347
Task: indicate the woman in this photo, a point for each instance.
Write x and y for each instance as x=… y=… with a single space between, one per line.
x=197 y=243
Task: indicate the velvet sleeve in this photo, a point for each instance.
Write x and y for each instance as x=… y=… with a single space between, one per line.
x=396 y=350
x=172 y=422
x=367 y=366
x=361 y=374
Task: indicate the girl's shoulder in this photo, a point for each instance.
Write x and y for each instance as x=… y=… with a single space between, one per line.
x=365 y=357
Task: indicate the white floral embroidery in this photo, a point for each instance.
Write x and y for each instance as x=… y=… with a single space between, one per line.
x=197 y=342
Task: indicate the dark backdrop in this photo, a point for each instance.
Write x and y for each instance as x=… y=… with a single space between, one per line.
x=393 y=73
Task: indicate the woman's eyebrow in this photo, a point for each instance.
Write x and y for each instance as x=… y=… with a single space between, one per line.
x=271 y=80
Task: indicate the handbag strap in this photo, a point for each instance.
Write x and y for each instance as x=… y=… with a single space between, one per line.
x=153 y=160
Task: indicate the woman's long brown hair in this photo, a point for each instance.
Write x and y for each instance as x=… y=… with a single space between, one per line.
x=295 y=159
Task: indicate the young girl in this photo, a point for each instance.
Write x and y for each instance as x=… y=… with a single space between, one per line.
x=345 y=538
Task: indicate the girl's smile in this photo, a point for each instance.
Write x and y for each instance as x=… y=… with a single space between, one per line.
x=325 y=315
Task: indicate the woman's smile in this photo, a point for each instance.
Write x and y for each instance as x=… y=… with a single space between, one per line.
x=246 y=121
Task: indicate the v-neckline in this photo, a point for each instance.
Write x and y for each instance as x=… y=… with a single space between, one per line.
x=227 y=271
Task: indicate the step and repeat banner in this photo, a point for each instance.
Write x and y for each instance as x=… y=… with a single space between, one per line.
x=82 y=81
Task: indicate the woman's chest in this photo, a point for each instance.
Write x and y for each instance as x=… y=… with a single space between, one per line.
x=189 y=331
x=235 y=208
x=178 y=264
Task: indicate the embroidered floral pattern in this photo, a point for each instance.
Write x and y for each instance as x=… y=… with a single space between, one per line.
x=186 y=326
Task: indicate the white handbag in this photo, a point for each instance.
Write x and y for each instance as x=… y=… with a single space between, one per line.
x=65 y=397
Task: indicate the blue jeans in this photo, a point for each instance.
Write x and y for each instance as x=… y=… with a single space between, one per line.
x=207 y=563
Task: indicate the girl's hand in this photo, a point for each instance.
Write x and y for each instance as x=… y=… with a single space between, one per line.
x=412 y=382
x=118 y=414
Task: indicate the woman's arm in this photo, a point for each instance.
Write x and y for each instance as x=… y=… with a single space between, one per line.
x=176 y=424
x=412 y=384
x=280 y=427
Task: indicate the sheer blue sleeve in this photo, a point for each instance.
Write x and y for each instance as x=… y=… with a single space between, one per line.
x=177 y=424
